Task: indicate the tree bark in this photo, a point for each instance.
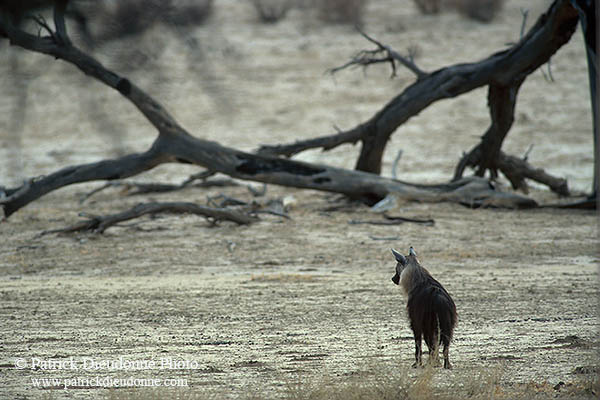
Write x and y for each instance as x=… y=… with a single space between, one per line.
x=485 y=156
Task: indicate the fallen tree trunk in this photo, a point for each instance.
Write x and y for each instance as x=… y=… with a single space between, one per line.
x=174 y=144
x=369 y=188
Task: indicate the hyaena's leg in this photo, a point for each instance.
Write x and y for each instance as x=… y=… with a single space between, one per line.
x=434 y=347
x=434 y=357
x=418 y=351
x=447 y=364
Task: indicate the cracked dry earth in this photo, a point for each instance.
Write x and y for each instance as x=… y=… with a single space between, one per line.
x=290 y=303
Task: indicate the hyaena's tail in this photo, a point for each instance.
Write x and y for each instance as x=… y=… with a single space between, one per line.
x=446 y=312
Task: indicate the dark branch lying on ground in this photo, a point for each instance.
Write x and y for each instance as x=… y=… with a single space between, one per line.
x=139 y=188
x=99 y=223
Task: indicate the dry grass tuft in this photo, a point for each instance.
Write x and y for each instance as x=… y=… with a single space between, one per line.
x=383 y=382
x=388 y=381
x=182 y=393
x=272 y=11
x=342 y=11
x=428 y=6
x=480 y=10
x=373 y=384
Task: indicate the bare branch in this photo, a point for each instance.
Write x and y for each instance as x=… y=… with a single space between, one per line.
x=99 y=223
x=524 y=13
x=99 y=189
x=365 y=58
x=43 y=26
x=204 y=175
x=222 y=201
x=407 y=62
x=395 y=164
x=394 y=220
x=325 y=142
x=258 y=192
x=428 y=221
x=518 y=169
x=527 y=152
x=548 y=77
x=139 y=188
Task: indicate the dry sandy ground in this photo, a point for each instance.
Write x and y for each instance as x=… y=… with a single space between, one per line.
x=293 y=303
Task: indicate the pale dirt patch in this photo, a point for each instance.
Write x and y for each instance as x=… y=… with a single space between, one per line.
x=285 y=302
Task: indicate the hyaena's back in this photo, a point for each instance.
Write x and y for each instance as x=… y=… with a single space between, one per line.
x=430 y=308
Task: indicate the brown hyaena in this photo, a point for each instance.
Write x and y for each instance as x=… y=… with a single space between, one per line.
x=431 y=310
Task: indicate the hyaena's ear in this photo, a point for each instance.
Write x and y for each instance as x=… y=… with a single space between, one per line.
x=399 y=257
x=411 y=252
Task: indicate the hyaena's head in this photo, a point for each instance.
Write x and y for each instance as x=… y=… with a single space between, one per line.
x=403 y=262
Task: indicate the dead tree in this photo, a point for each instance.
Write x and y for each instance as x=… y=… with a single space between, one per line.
x=502 y=72
x=175 y=144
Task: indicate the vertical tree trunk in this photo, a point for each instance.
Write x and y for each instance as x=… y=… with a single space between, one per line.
x=502 y=101
x=371 y=153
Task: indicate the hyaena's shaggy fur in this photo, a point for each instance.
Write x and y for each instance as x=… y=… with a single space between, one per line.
x=431 y=310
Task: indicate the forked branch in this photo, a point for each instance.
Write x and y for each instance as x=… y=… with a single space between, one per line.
x=382 y=54
x=99 y=223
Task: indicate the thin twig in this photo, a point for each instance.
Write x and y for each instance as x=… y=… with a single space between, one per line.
x=371 y=222
x=41 y=21
x=393 y=220
x=87 y=195
x=257 y=192
x=273 y=212
x=365 y=58
x=362 y=59
x=428 y=221
x=200 y=175
x=526 y=155
x=550 y=70
x=225 y=201
x=396 y=56
x=145 y=188
x=524 y=13
x=395 y=164
x=548 y=77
